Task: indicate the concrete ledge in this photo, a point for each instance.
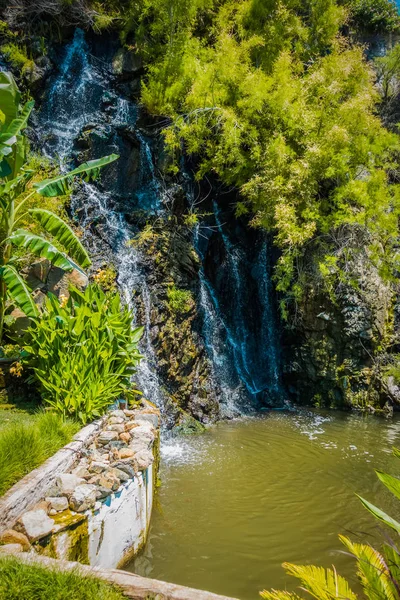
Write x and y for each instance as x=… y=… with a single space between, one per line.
x=31 y=489
x=133 y=586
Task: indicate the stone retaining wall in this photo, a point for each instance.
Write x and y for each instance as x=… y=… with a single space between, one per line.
x=92 y=500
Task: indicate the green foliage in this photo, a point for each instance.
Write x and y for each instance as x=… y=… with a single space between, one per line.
x=16 y=178
x=374 y=15
x=388 y=71
x=269 y=97
x=83 y=352
x=179 y=301
x=378 y=572
x=25 y=444
x=19 y=581
x=17 y=57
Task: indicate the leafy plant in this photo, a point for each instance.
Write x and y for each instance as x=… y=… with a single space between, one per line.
x=67 y=251
x=83 y=352
x=378 y=572
x=179 y=301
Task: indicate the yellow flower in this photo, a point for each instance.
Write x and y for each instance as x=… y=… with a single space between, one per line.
x=63 y=300
x=16 y=369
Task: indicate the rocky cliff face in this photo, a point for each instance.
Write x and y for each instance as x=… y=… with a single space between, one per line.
x=200 y=280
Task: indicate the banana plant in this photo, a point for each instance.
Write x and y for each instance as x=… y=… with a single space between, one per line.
x=15 y=190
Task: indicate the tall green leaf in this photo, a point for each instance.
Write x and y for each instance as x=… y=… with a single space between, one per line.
x=41 y=247
x=9 y=96
x=61 y=185
x=63 y=234
x=18 y=290
x=392 y=483
x=8 y=135
x=380 y=515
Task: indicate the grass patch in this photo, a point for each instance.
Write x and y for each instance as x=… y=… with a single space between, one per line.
x=26 y=441
x=32 y=582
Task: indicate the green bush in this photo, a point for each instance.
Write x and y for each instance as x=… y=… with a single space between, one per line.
x=83 y=352
x=28 y=442
x=374 y=15
x=179 y=301
x=19 y=581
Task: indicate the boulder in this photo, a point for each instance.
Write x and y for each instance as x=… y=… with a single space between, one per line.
x=58 y=281
x=126 y=453
x=83 y=497
x=10 y=536
x=144 y=459
x=35 y=524
x=66 y=484
x=107 y=436
x=57 y=503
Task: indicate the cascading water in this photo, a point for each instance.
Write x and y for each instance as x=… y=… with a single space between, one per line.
x=75 y=100
x=83 y=110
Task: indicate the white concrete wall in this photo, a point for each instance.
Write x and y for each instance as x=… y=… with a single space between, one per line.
x=119 y=528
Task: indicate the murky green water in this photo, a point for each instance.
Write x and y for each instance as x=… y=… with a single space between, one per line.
x=247 y=495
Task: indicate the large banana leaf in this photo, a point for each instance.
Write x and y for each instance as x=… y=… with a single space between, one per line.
x=382 y=516
x=9 y=96
x=61 y=185
x=8 y=136
x=18 y=290
x=63 y=234
x=41 y=247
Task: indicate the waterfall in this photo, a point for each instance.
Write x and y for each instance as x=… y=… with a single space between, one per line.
x=75 y=100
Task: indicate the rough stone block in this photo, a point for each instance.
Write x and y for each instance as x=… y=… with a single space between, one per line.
x=35 y=524
x=10 y=536
x=83 y=498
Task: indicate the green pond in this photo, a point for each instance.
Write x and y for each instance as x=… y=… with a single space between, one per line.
x=247 y=495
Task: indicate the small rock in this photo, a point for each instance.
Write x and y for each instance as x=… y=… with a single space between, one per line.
x=115 y=420
x=117 y=428
x=81 y=472
x=119 y=414
x=107 y=436
x=125 y=437
x=149 y=416
x=52 y=512
x=98 y=467
x=126 y=453
x=66 y=483
x=129 y=413
x=10 y=536
x=122 y=475
x=125 y=467
x=116 y=445
x=102 y=492
x=97 y=505
x=11 y=549
x=144 y=459
x=58 y=504
x=131 y=425
x=83 y=498
x=35 y=524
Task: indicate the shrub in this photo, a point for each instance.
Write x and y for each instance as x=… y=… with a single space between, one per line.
x=374 y=15
x=83 y=352
x=179 y=301
x=28 y=442
x=27 y=582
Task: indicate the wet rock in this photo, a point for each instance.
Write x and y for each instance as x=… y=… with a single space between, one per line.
x=10 y=536
x=57 y=503
x=83 y=498
x=35 y=524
